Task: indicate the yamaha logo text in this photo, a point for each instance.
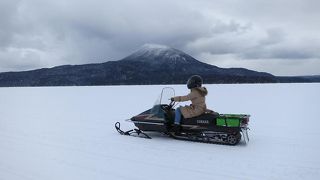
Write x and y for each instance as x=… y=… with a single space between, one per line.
x=203 y=121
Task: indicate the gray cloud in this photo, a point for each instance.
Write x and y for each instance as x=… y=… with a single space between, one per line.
x=36 y=33
x=7 y=19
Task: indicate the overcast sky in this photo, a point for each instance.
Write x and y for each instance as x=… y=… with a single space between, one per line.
x=277 y=36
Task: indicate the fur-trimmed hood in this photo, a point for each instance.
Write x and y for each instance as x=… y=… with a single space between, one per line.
x=202 y=90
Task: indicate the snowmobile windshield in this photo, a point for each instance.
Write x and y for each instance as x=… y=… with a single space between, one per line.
x=164 y=98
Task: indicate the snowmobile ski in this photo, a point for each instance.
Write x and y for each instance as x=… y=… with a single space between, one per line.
x=132 y=132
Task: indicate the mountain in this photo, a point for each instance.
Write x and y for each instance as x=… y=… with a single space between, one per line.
x=299 y=79
x=151 y=64
x=160 y=54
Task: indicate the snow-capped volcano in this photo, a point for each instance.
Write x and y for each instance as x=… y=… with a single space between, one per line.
x=151 y=64
x=158 y=54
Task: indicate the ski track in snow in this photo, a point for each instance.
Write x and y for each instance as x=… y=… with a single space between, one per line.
x=68 y=133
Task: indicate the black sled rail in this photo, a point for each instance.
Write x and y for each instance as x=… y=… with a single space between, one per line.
x=229 y=139
x=132 y=132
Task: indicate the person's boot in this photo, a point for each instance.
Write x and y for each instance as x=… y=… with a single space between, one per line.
x=176 y=128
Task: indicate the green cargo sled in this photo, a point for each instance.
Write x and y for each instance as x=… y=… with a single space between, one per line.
x=231 y=120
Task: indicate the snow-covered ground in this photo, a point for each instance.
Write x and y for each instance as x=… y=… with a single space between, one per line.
x=68 y=133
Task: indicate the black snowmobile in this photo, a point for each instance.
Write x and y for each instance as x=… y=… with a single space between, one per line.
x=210 y=127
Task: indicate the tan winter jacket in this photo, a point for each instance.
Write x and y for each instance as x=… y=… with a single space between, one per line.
x=198 y=99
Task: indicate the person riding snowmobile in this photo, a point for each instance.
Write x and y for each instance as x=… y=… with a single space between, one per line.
x=197 y=96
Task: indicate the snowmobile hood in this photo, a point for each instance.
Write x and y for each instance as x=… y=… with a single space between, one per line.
x=202 y=90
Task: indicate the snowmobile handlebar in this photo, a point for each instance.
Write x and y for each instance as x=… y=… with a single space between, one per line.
x=171 y=104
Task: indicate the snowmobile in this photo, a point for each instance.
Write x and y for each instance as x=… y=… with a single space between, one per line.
x=210 y=127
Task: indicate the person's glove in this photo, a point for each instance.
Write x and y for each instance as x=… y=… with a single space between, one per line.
x=172 y=99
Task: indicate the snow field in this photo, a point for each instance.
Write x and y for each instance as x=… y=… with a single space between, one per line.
x=68 y=133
